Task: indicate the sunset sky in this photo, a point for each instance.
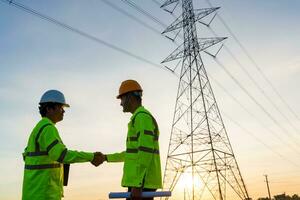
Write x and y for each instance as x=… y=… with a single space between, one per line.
x=36 y=55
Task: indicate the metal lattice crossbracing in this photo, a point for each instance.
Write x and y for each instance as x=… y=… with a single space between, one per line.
x=199 y=144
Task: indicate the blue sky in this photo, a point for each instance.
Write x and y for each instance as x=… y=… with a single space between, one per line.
x=36 y=55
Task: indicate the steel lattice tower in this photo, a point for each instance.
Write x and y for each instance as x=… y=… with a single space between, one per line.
x=199 y=144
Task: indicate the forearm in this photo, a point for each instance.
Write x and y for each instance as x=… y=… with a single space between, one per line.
x=115 y=157
x=77 y=157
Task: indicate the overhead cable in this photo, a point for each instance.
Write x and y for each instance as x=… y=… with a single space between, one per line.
x=144 y=12
x=151 y=17
x=157 y=2
x=109 y=3
x=262 y=91
x=284 y=131
x=263 y=125
x=93 y=38
x=265 y=111
x=256 y=65
x=260 y=141
x=79 y=32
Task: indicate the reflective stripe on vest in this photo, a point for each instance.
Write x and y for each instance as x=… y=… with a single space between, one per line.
x=41 y=153
x=146 y=132
x=155 y=135
x=134 y=138
x=37 y=145
x=153 y=120
x=141 y=148
x=62 y=156
x=37 y=151
x=45 y=166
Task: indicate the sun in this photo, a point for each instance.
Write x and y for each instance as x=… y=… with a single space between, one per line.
x=186 y=181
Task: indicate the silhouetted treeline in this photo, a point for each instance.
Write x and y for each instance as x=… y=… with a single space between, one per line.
x=282 y=197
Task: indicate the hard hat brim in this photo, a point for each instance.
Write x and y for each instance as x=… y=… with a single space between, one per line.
x=63 y=104
x=66 y=105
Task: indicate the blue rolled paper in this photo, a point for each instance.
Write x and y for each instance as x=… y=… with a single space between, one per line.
x=122 y=195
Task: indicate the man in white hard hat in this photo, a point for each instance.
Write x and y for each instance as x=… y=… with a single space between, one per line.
x=47 y=159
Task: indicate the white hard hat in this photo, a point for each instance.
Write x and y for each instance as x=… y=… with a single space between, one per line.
x=54 y=96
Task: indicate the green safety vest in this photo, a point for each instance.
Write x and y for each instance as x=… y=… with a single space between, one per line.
x=141 y=159
x=45 y=156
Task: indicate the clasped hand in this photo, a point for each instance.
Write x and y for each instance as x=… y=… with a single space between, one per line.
x=99 y=158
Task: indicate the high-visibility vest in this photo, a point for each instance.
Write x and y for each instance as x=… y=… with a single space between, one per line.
x=44 y=158
x=141 y=159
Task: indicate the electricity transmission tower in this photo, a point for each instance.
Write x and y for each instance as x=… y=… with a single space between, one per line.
x=199 y=144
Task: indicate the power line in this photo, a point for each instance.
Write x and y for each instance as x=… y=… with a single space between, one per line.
x=88 y=36
x=134 y=18
x=157 y=2
x=195 y=117
x=285 y=172
x=255 y=64
x=243 y=68
x=257 y=85
x=79 y=32
x=144 y=12
x=254 y=100
x=251 y=114
x=162 y=24
x=260 y=141
x=109 y=3
x=151 y=17
x=260 y=107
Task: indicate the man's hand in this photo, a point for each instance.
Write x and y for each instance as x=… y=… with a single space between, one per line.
x=98 y=159
x=136 y=193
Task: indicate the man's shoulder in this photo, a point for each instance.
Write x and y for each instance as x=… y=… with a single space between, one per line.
x=142 y=116
x=142 y=112
x=44 y=124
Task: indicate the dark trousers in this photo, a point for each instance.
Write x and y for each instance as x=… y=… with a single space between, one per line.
x=144 y=190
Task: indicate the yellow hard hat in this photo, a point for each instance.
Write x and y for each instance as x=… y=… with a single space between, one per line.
x=129 y=86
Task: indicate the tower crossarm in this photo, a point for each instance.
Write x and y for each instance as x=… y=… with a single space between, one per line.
x=204 y=43
x=168 y=2
x=199 y=14
x=203 y=12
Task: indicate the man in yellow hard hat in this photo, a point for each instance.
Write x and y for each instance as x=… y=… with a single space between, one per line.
x=46 y=157
x=142 y=169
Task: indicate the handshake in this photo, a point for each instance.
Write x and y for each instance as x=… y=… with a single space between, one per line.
x=99 y=158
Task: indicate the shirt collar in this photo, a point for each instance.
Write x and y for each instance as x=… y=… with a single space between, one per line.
x=140 y=108
x=47 y=120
